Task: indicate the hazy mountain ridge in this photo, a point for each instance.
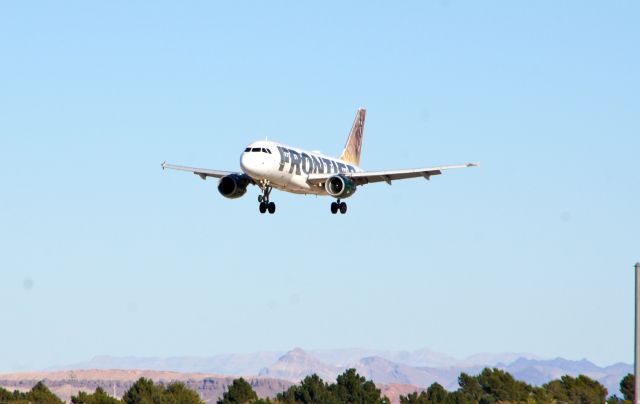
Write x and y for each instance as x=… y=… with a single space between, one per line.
x=418 y=368
x=538 y=372
x=295 y=365
x=253 y=363
x=227 y=364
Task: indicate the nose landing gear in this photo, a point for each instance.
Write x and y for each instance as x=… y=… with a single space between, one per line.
x=265 y=205
x=338 y=206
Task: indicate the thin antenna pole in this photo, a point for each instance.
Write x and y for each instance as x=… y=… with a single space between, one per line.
x=636 y=340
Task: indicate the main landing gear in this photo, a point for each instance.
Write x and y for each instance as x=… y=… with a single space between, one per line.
x=265 y=205
x=338 y=206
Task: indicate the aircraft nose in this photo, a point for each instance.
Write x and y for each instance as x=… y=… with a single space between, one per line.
x=244 y=161
x=250 y=164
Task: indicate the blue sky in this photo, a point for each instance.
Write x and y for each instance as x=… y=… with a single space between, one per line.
x=104 y=253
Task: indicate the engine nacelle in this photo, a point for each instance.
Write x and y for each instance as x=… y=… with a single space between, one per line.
x=340 y=186
x=233 y=186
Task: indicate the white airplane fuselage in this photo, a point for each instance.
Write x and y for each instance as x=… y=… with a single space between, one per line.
x=270 y=165
x=287 y=168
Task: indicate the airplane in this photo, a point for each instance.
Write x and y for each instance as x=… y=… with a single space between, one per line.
x=270 y=165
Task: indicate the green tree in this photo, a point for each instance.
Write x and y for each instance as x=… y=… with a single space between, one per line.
x=179 y=393
x=615 y=400
x=40 y=393
x=18 y=397
x=436 y=394
x=470 y=390
x=627 y=387
x=460 y=397
x=312 y=390
x=144 y=391
x=498 y=385
x=5 y=395
x=579 y=390
x=414 y=398
x=98 y=397
x=539 y=395
x=351 y=388
x=240 y=392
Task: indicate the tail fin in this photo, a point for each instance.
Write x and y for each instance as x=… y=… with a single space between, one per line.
x=353 y=148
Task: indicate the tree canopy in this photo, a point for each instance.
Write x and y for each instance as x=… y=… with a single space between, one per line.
x=351 y=388
x=240 y=392
x=144 y=391
x=39 y=393
x=312 y=390
x=579 y=390
x=98 y=397
x=491 y=386
x=627 y=387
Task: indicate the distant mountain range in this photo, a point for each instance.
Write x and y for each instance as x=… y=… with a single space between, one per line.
x=418 y=368
x=116 y=382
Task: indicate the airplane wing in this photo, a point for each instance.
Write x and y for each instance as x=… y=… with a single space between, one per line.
x=201 y=172
x=387 y=176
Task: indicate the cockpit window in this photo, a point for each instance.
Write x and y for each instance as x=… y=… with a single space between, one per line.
x=257 y=150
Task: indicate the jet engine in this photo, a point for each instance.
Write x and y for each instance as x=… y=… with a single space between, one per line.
x=233 y=186
x=340 y=186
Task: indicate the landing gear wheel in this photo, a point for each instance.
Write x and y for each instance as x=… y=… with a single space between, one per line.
x=343 y=208
x=264 y=199
x=334 y=208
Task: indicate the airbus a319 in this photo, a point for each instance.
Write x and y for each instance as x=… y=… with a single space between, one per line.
x=270 y=165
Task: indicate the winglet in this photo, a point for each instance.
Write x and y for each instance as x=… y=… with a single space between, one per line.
x=473 y=164
x=163 y=165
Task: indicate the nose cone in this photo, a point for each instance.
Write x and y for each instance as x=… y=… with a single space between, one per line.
x=251 y=164
x=244 y=162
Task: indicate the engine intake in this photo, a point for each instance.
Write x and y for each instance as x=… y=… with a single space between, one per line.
x=340 y=186
x=233 y=186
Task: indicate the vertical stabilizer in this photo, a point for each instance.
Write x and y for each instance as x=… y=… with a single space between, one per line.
x=353 y=148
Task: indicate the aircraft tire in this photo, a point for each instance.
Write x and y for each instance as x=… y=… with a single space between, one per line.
x=343 y=208
x=334 y=208
x=272 y=208
x=263 y=207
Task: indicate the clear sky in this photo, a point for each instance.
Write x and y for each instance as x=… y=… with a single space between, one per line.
x=101 y=252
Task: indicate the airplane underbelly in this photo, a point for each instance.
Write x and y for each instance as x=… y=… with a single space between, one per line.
x=295 y=184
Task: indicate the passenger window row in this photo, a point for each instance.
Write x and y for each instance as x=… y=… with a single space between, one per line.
x=257 y=150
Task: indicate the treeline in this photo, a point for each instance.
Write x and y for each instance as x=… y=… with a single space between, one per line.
x=491 y=386
x=497 y=386
x=143 y=391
